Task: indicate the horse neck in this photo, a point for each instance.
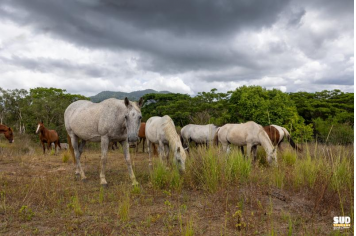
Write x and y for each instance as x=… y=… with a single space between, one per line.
x=172 y=138
x=44 y=131
x=265 y=141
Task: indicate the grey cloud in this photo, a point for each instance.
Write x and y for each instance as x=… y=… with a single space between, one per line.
x=177 y=37
x=48 y=65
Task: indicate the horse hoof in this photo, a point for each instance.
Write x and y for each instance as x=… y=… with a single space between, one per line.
x=104 y=185
x=85 y=180
x=77 y=177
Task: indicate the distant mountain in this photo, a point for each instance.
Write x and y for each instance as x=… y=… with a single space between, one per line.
x=133 y=96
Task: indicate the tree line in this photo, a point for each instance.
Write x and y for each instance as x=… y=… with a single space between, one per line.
x=321 y=116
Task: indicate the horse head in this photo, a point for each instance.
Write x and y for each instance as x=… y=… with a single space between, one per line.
x=179 y=158
x=39 y=126
x=133 y=118
x=272 y=157
x=9 y=135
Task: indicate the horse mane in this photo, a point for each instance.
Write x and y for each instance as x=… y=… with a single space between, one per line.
x=170 y=132
x=264 y=133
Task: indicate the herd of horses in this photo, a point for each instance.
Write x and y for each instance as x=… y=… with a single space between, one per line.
x=119 y=121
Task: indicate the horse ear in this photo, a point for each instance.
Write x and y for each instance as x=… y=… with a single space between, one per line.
x=140 y=102
x=127 y=102
x=41 y=121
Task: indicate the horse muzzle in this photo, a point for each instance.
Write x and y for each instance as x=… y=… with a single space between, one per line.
x=11 y=141
x=132 y=138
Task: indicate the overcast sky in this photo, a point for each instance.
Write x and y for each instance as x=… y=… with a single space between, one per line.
x=186 y=46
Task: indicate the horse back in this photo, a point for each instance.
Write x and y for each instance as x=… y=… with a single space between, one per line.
x=272 y=133
x=90 y=121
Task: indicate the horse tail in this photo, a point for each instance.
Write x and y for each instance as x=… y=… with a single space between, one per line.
x=290 y=140
x=71 y=149
x=216 y=137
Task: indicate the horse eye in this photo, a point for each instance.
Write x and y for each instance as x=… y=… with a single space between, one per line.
x=140 y=117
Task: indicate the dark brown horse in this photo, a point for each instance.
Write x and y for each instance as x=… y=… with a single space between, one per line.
x=7 y=131
x=277 y=133
x=48 y=136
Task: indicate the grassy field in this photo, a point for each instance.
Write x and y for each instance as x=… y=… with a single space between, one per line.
x=217 y=195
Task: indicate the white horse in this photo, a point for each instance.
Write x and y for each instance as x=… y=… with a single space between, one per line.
x=200 y=134
x=161 y=131
x=248 y=134
x=109 y=120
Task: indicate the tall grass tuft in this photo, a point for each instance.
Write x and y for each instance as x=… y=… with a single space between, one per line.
x=165 y=177
x=65 y=156
x=289 y=157
x=237 y=167
x=342 y=173
x=124 y=206
x=306 y=171
x=204 y=168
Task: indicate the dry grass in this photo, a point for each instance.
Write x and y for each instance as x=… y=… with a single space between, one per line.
x=216 y=195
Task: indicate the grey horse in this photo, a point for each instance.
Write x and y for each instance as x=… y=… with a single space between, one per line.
x=109 y=120
x=200 y=134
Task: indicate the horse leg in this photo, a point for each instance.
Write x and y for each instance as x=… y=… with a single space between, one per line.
x=143 y=145
x=242 y=150
x=49 y=146
x=55 y=147
x=166 y=153
x=79 y=169
x=104 y=151
x=254 y=152
x=125 y=147
x=44 y=148
x=81 y=146
x=248 y=149
x=160 y=150
x=137 y=143
x=149 y=154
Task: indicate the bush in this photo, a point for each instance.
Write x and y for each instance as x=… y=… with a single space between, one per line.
x=332 y=132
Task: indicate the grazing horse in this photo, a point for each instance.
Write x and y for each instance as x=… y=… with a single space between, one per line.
x=7 y=131
x=200 y=134
x=161 y=131
x=109 y=120
x=277 y=133
x=47 y=136
x=248 y=134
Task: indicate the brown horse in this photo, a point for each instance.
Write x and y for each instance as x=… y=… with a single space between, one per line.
x=277 y=133
x=7 y=131
x=48 y=136
x=142 y=136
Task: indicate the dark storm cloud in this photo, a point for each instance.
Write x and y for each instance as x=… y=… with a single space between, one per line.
x=171 y=35
x=48 y=65
x=177 y=37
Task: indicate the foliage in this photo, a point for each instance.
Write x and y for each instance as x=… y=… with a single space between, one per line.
x=305 y=115
x=19 y=108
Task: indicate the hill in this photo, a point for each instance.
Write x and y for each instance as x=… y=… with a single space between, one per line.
x=133 y=96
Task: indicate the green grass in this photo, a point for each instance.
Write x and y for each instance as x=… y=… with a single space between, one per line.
x=164 y=176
